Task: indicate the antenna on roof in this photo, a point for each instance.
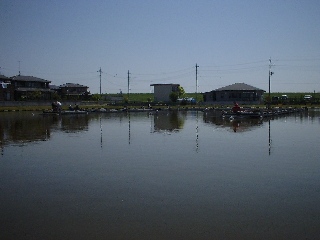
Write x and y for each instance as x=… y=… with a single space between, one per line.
x=19 y=68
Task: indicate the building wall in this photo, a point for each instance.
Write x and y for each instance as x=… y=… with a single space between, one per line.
x=234 y=96
x=162 y=92
x=69 y=90
x=6 y=92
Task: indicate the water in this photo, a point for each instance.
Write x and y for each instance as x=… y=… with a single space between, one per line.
x=182 y=175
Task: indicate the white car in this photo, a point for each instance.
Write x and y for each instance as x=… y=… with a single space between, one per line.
x=307 y=97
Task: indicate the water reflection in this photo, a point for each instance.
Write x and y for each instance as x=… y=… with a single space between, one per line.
x=75 y=123
x=269 y=131
x=24 y=127
x=234 y=125
x=20 y=128
x=160 y=186
x=168 y=121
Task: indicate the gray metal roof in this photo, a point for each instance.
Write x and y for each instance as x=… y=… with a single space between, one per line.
x=164 y=84
x=54 y=87
x=239 y=87
x=29 y=79
x=3 y=77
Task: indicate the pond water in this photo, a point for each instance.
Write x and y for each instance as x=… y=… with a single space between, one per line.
x=170 y=175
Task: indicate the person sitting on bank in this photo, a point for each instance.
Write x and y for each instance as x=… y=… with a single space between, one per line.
x=77 y=107
x=59 y=106
x=54 y=107
x=236 y=108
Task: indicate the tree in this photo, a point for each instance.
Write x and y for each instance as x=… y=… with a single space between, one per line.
x=96 y=97
x=174 y=96
x=177 y=94
x=181 y=92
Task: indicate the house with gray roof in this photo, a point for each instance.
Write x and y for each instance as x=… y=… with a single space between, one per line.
x=73 y=91
x=29 y=87
x=238 y=92
x=6 y=89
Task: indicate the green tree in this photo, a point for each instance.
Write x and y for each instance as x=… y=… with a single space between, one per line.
x=181 y=92
x=174 y=96
x=96 y=97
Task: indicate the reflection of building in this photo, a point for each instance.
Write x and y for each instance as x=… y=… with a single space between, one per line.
x=75 y=123
x=235 y=125
x=168 y=121
x=162 y=91
x=23 y=127
x=238 y=92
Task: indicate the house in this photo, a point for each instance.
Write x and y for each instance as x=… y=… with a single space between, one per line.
x=237 y=92
x=29 y=87
x=162 y=91
x=73 y=91
x=6 y=89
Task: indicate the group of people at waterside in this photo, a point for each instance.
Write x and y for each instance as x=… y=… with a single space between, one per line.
x=236 y=108
x=56 y=107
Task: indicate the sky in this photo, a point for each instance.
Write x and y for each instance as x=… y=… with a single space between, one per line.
x=161 y=42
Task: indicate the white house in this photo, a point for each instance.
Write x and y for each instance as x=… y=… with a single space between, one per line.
x=162 y=91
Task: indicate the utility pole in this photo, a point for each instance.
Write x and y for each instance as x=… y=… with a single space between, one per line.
x=128 y=84
x=270 y=74
x=197 y=82
x=99 y=71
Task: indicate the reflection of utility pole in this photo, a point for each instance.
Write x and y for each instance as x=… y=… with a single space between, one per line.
x=197 y=134
x=270 y=74
x=129 y=127
x=269 y=138
x=99 y=71
x=197 y=82
x=100 y=133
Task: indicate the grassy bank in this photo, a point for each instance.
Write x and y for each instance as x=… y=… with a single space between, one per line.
x=139 y=99
x=148 y=97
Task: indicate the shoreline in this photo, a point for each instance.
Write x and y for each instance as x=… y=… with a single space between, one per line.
x=97 y=107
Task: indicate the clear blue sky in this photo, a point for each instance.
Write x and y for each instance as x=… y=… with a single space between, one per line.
x=162 y=41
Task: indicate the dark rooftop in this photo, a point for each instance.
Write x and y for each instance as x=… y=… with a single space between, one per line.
x=239 y=87
x=29 y=79
x=72 y=85
x=3 y=77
